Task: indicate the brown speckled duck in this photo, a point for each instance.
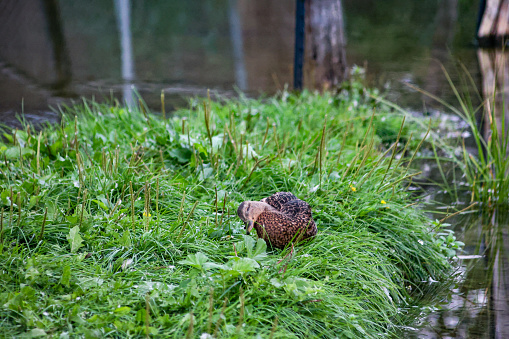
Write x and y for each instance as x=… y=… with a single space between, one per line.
x=279 y=219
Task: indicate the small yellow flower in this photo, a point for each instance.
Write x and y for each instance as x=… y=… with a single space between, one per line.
x=383 y=202
x=353 y=188
x=145 y=214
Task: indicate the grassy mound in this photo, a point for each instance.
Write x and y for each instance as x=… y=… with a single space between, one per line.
x=119 y=223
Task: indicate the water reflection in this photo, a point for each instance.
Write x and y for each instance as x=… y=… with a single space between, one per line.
x=477 y=307
x=434 y=80
x=55 y=50
x=123 y=11
x=238 y=45
x=62 y=61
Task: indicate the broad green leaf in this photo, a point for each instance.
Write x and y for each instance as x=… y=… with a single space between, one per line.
x=260 y=251
x=195 y=260
x=125 y=240
x=199 y=147
x=87 y=282
x=249 y=244
x=185 y=319
x=256 y=252
x=205 y=172
x=142 y=316
x=240 y=246
x=244 y=265
x=74 y=238
x=211 y=265
x=301 y=287
x=276 y=282
x=55 y=147
x=66 y=276
x=31 y=269
x=34 y=333
x=72 y=218
x=183 y=155
x=217 y=142
x=33 y=200
x=122 y=310
x=101 y=204
x=14 y=152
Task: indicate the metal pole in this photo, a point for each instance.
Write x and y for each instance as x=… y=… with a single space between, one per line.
x=300 y=37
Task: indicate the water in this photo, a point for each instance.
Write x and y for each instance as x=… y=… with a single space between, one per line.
x=477 y=306
x=54 y=52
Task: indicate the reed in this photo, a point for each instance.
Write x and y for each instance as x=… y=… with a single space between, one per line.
x=163 y=108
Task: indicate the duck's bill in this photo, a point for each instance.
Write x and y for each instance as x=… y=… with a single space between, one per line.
x=250 y=225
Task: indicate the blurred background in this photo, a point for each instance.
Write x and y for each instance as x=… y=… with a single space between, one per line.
x=56 y=51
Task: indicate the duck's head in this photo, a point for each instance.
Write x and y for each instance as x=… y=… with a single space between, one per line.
x=249 y=211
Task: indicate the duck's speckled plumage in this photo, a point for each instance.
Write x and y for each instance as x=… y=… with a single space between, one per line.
x=286 y=219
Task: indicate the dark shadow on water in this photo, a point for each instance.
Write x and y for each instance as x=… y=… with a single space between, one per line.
x=477 y=304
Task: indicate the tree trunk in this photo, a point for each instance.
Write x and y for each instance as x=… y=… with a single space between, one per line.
x=325 y=39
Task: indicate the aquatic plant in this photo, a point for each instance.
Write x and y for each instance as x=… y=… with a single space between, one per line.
x=485 y=168
x=121 y=223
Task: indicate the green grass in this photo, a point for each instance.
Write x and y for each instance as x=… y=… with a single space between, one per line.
x=120 y=223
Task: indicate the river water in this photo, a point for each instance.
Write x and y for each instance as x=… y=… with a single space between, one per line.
x=477 y=304
x=54 y=52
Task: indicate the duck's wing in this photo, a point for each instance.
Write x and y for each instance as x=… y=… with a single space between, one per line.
x=296 y=208
x=300 y=212
x=277 y=200
x=280 y=227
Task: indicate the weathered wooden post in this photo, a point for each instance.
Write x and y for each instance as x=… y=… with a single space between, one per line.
x=322 y=22
x=325 y=50
x=493 y=33
x=494 y=27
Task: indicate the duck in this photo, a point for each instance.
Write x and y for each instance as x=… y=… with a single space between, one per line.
x=280 y=219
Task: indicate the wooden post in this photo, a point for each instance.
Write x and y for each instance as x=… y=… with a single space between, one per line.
x=494 y=28
x=326 y=54
x=494 y=65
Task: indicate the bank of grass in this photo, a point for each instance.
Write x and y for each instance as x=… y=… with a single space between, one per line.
x=120 y=223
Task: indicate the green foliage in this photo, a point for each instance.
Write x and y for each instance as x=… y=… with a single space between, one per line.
x=74 y=239
x=118 y=224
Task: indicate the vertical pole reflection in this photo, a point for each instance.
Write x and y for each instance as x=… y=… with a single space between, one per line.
x=238 y=49
x=58 y=44
x=123 y=11
x=300 y=36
